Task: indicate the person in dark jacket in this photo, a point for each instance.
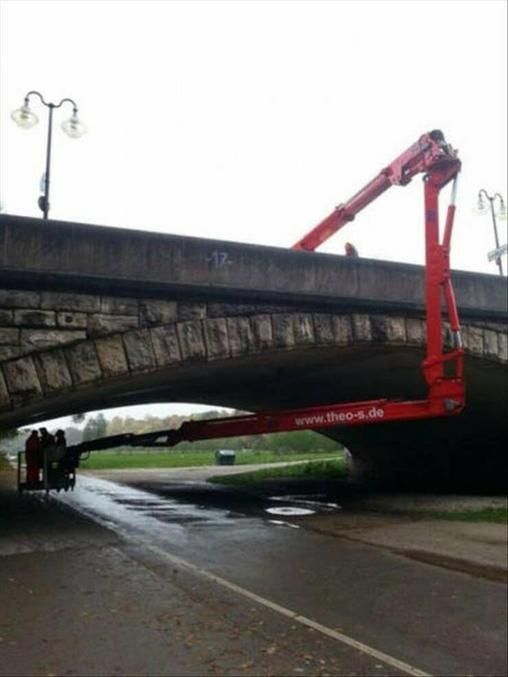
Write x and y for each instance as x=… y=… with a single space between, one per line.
x=60 y=445
x=68 y=461
x=47 y=439
x=47 y=449
x=351 y=250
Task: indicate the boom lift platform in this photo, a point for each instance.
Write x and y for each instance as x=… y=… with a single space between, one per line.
x=439 y=164
x=53 y=476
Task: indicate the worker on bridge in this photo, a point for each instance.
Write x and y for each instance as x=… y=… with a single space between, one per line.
x=351 y=250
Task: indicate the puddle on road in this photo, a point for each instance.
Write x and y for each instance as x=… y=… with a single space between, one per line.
x=122 y=507
x=290 y=511
x=172 y=513
x=301 y=505
x=304 y=500
x=281 y=523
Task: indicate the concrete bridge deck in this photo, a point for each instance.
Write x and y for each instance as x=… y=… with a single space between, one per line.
x=73 y=256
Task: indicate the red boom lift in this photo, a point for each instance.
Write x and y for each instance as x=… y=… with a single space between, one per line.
x=438 y=161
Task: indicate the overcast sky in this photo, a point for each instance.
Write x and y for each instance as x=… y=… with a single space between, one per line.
x=250 y=121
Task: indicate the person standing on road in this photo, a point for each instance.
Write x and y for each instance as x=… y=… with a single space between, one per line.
x=32 y=451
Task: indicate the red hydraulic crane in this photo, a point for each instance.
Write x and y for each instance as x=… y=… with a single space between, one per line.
x=428 y=154
x=438 y=161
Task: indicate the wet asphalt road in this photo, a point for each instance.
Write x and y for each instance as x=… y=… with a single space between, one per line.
x=436 y=621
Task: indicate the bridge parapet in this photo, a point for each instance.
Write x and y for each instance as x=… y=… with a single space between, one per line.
x=92 y=259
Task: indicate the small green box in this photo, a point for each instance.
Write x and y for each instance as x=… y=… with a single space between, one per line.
x=225 y=457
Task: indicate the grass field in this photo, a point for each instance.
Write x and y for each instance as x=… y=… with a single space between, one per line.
x=184 y=459
x=316 y=470
x=495 y=515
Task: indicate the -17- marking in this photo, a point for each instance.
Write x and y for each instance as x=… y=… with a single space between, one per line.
x=219 y=259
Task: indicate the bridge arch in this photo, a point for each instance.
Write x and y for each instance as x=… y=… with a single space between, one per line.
x=182 y=359
x=270 y=360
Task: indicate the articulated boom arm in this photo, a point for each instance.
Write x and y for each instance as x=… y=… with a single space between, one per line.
x=446 y=394
x=314 y=418
x=429 y=152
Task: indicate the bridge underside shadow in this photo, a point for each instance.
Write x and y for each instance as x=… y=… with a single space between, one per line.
x=462 y=453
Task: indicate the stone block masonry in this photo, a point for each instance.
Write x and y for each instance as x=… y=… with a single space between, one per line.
x=34 y=321
x=52 y=344
x=31 y=321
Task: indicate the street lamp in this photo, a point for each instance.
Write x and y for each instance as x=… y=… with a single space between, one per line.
x=481 y=209
x=25 y=118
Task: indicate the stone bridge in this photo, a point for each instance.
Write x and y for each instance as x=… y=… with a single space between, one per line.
x=95 y=317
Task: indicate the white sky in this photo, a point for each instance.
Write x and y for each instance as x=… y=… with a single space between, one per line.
x=250 y=121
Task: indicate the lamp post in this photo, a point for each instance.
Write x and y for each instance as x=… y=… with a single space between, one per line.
x=482 y=209
x=25 y=118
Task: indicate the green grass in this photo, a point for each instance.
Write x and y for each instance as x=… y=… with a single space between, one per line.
x=184 y=459
x=318 y=470
x=494 y=515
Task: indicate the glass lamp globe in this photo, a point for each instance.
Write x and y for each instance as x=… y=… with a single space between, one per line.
x=24 y=117
x=481 y=207
x=502 y=212
x=73 y=127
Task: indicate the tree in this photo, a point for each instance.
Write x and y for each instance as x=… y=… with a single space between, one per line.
x=116 y=426
x=95 y=427
x=73 y=435
x=11 y=441
x=8 y=434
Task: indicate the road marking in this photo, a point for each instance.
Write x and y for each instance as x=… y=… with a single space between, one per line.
x=283 y=611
